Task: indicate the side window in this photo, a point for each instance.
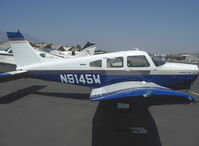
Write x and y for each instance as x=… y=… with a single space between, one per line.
x=97 y=63
x=115 y=62
x=137 y=61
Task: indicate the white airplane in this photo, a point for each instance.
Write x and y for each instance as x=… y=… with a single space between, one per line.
x=88 y=49
x=127 y=75
x=6 y=56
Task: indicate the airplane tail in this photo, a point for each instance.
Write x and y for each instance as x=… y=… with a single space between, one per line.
x=23 y=52
x=88 y=49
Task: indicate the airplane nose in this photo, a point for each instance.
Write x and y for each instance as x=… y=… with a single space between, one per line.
x=192 y=69
x=188 y=71
x=198 y=70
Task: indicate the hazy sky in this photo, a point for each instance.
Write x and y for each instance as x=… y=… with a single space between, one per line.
x=152 y=25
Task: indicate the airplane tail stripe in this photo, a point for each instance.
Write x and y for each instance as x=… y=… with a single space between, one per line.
x=13 y=36
x=24 y=53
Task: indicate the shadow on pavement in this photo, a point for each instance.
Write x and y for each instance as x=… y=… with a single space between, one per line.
x=19 y=94
x=83 y=96
x=112 y=127
x=12 y=97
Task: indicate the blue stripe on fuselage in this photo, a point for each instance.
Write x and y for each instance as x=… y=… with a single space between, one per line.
x=99 y=80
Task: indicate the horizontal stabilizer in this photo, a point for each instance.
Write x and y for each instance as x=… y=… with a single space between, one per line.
x=12 y=75
x=143 y=92
x=15 y=36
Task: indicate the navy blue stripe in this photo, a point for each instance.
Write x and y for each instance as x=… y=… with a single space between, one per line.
x=15 y=36
x=106 y=79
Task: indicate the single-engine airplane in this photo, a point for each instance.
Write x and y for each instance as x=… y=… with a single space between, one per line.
x=126 y=75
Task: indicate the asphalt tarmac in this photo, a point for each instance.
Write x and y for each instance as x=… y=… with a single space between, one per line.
x=39 y=113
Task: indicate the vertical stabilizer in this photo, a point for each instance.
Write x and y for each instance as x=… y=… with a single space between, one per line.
x=23 y=52
x=87 y=50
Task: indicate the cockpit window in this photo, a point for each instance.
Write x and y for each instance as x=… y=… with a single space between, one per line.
x=157 y=60
x=97 y=63
x=137 y=61
x=115 y=62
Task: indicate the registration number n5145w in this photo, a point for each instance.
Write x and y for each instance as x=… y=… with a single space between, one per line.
x=80 y=78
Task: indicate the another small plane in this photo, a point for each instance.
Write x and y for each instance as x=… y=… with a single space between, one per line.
x=127 y=75
x=88 y=49
x=6 y=55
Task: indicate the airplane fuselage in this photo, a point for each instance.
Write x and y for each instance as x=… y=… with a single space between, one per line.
x=105 y=69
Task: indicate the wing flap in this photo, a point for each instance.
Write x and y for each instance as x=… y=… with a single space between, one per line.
x=147 y=92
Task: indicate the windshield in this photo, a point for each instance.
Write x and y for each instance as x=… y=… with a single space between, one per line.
x=157 y=60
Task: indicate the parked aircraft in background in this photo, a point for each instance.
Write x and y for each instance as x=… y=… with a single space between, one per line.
x=127 y=75
x=6 y=56
x=88 y=49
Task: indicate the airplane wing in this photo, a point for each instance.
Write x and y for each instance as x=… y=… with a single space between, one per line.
x=12 y=75
x=142 y=92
